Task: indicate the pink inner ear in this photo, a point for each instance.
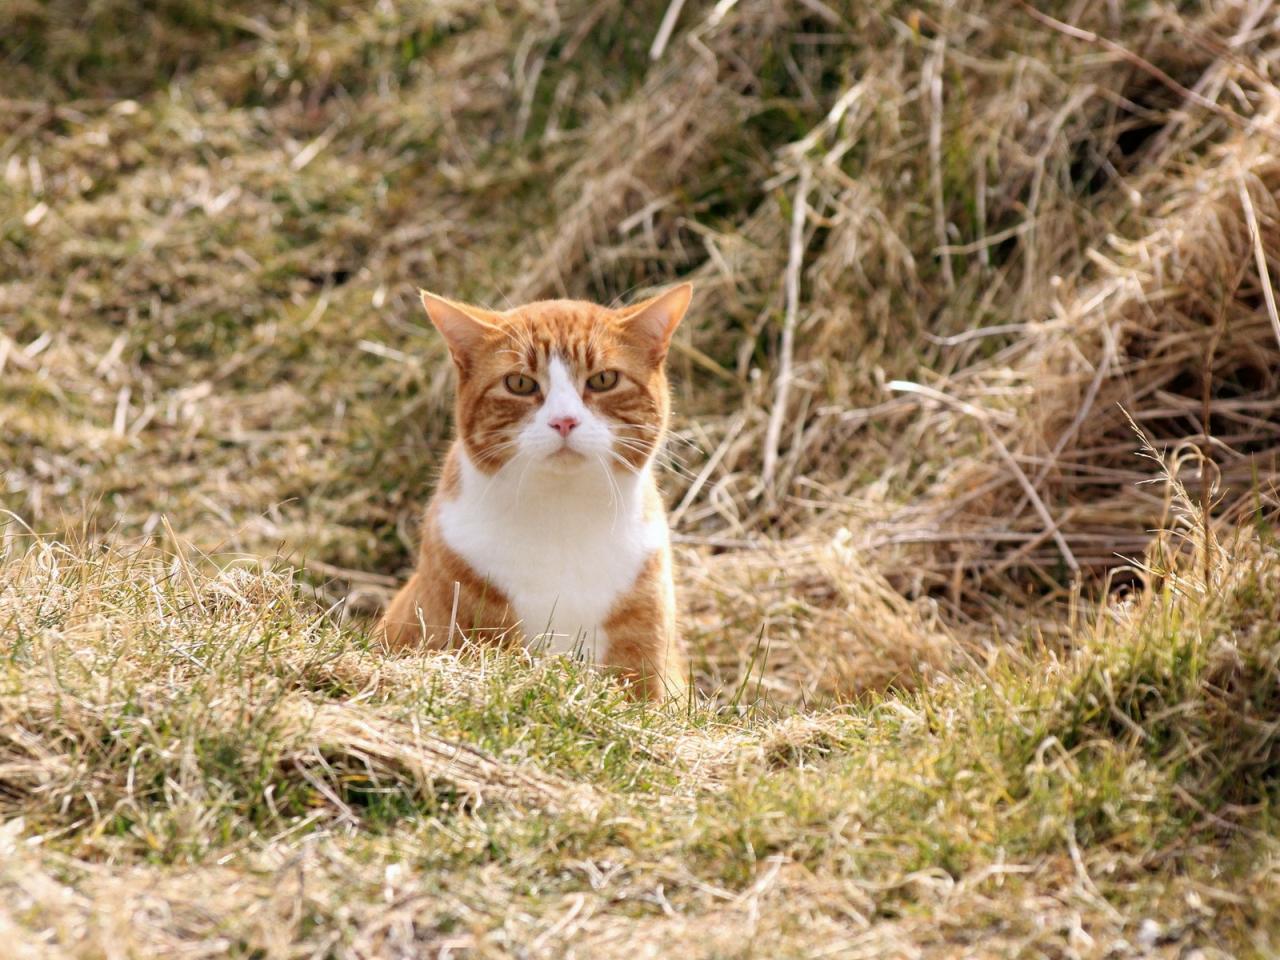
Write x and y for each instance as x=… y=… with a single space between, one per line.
x=464 y=328
x=654 y=321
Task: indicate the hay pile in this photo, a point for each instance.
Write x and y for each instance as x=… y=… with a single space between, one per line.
x=1088 y=243
x=944 y=252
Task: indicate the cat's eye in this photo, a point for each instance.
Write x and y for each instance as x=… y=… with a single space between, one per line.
x=602 y=381
x=520 y=385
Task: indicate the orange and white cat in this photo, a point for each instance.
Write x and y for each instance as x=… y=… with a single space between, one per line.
x=547 y=525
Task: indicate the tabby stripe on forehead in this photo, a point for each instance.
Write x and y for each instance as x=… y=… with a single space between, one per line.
x=586 y=339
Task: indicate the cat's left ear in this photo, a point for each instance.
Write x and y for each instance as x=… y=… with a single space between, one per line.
x=654 y=321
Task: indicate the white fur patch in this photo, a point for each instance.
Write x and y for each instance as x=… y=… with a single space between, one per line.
x=537 y=440
x=563 y=541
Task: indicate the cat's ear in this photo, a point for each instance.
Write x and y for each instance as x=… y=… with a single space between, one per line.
x=652 y=322
x=463 y=327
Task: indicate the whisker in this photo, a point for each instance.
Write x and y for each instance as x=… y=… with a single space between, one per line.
x=671 y=459
x=615 y=492
x=646 y=428
x=523 y=474
x=623 y=463
x=613 y=304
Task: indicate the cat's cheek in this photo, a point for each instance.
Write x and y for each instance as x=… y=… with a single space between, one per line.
x=593 y=447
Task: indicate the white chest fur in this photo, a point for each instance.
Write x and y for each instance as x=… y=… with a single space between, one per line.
x=563 y=547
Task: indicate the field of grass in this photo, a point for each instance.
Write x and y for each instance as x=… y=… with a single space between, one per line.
x=974 y=478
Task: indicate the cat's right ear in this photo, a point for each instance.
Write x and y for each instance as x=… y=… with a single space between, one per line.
x=464 y=328
x=652 y=322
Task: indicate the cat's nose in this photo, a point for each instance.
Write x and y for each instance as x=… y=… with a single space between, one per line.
x=563 y=425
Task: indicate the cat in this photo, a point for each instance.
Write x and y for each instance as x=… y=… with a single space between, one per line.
x=547 y=526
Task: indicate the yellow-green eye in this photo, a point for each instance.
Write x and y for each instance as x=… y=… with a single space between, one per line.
x=602 y=381
x=520 y=385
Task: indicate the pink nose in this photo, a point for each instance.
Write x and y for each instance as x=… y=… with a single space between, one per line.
x=563 y=425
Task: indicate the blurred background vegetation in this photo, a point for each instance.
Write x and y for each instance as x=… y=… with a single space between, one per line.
x=943 y=253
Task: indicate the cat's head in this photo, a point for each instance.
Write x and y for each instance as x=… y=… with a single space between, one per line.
x=561 y=384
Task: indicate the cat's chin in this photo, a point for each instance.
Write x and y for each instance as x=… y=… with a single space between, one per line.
x=562 y=462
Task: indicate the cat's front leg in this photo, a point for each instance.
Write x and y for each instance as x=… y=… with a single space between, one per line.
x=645 y=648
x=402 y=625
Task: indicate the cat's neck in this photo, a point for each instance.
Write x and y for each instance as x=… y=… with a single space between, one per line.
x=562 y=548
x=591 y=495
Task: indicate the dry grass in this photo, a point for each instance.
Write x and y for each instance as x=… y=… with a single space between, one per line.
x=199 y=761
x=979 y=673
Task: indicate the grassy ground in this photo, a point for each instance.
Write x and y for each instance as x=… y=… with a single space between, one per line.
x=201 y=763
x=978 y=672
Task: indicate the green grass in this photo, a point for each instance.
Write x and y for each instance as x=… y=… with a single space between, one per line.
x=184 y=720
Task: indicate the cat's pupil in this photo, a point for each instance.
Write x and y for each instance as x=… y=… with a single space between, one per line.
x=520 y=385
x=604 y=380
